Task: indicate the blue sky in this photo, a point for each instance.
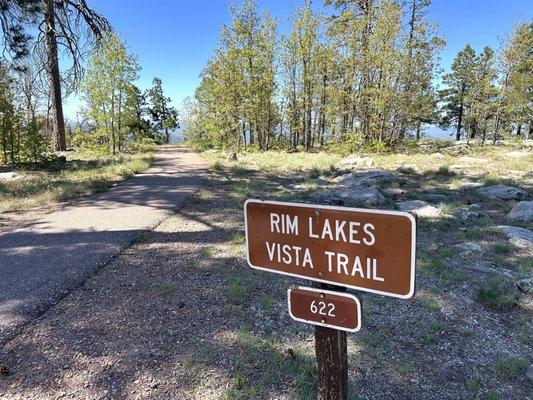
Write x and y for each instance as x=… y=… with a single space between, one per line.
x=173 y=39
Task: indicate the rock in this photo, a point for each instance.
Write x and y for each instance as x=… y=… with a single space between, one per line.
x=357 y=162
x=438 y=198
x=232 y=156
x=365 y=178
x=328 y=197
x=526 y=303
x=407 y=169
x=502 y=192
x=520 y=237
x=517 y=154
x=525 y=285
x=395 y=191
x=9 y=176
x=321 y=181
x=466 y=215
x=420 y=208
x=469 y=246
x=368 y=195
x=437 y=155
x=521 y=212
x=486 y=267
x=529 y=373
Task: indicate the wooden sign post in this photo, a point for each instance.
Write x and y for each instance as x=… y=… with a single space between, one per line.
x=338 y=248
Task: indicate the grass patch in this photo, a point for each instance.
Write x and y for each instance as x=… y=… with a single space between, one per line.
x=168 y=289
x=263 y=362
x=83 y=174
x=432 y=304
x=207 y=252
x=473 y=384
x=405 y=369
x=432 y=331
x=217 y=166
x=266 y=301
x=472 y=234
x=510 y=367
x=497 y=293
x=501 y=248
x=238 y=238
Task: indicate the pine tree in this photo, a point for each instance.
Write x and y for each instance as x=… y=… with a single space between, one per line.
x=164 y=116
x=458 y=84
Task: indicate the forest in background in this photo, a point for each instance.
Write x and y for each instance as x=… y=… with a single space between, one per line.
x=54 y=48
x=360 y=74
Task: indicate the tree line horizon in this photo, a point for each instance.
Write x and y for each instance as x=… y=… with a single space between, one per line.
x=363 y=76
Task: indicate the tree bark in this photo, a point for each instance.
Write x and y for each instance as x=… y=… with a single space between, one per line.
x=54 y=80
x=459 y=123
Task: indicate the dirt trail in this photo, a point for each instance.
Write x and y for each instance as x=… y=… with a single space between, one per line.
x=44 y=259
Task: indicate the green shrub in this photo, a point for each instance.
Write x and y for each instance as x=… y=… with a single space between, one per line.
x=510 y=367
x=497 y=294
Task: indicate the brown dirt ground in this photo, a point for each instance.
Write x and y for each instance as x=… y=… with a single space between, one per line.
x=180 y=316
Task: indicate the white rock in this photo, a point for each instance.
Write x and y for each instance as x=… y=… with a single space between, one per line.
x=522 y=212
x=354 y=162
x=420 y=208
x=9 y=176
x=469 y=246
x=520 y=237
x=502 y=192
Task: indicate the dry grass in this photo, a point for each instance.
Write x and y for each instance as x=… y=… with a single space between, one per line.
x=83 y=174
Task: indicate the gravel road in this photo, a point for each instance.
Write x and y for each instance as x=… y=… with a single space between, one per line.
x=42 y=261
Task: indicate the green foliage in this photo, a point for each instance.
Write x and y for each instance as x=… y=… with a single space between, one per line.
x=497 y=294
x=510 y=367
x=164 y=117
x=110 y=96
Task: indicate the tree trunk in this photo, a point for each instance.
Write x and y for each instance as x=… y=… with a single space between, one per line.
x=52 y=70
x=459 y=123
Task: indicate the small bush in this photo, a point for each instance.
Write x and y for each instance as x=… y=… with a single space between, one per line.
x=497 y=294
x=501 y=248
x=216 y=166
x=510 y=367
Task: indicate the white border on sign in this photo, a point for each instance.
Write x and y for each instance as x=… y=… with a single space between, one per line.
x=364 y=210
x=342 y=294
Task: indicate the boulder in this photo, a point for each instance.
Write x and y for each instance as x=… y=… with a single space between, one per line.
x=328 y=197
x=529 y=373
x=368 y=195
x=9 y=176
x=502 y=192
x=487 y=267
x=467 y=215
x=365 y=178
x=420 y=208
x=357 y=162
x=469 y=246
x=407 y=169
x=520 y=237
x=525 y=285
x=521 y=212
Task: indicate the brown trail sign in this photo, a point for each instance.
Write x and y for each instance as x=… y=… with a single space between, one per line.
x=370 y=250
